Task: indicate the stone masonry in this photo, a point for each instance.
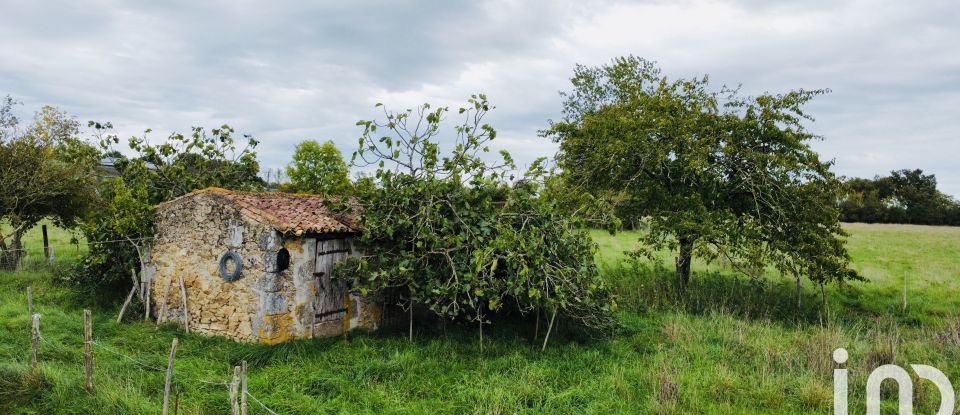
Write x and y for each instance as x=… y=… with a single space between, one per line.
x=266 y=304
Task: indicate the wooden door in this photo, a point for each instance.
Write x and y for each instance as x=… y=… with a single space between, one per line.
x=330 y=303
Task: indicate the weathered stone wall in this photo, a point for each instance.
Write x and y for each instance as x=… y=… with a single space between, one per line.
x=263 y=305
x=192 y=234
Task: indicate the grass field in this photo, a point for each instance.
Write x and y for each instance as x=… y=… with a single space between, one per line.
x=728 y=345
x=60 y=241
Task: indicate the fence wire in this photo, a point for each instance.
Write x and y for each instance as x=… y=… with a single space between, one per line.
x=18 y=259
x=180 y=378
x=261 y=404
x=135 y=361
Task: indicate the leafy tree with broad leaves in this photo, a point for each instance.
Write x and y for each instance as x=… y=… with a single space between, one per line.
x=318 y=169
x=120 y=229
x=711 y=173
x=609 y=210
x=905 y=196
x=445 y=225
x=46 y=172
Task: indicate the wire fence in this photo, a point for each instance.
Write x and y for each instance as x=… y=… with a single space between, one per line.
x=261 y=404
x=26 y=258
x=181 y=378
x=131 y=359
x=31 y=258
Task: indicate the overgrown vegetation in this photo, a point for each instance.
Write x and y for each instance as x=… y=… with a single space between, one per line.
x=447 y=228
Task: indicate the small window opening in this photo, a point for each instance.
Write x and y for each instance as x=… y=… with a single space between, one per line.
x=283 y=260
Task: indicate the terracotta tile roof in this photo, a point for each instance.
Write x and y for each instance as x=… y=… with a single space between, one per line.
x=290 y=213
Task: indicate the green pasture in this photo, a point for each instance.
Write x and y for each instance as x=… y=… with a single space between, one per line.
x=728 y=345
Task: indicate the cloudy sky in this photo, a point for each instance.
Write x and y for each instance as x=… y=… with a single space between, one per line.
x=286 y=72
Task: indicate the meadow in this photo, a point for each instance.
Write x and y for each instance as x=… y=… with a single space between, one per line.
x=66 y=244
x=727 y=345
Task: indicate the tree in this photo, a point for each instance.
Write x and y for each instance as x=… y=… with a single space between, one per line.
x=917 y=194
x=710 y=172
x=318 y=169
x=905 y=196
x=184 y=163
x=46 y=172
x=8 y=120
x=120 y=229
x=451 y=232
x=601 y=209
x=861 y=201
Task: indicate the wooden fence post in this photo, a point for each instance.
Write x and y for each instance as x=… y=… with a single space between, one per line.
x=88 y=350
x=536 y=327
x=166 y=386
x=146 y=299
x=549 y=329
x=904 y=290
x=34 y=342
x=243 y=388
x=30 y=300
x=126 y=303
x=46 y=243
x=235 y=392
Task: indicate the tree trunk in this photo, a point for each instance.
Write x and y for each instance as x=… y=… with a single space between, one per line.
x=481 y=334
x=684 y=260
x=536 y=327
x=11 y=257
x=823 y=299
x=823 y=295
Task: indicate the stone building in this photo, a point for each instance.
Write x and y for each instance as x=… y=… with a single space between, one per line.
x=255 y=266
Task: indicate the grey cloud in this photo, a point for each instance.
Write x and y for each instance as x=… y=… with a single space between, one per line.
x=286 y=71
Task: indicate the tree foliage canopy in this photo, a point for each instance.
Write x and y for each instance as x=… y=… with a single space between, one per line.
x=448 y=227
x=905 y=196
x=120 y=227
x=46 y=172
x=709 y=172
x=318 y=169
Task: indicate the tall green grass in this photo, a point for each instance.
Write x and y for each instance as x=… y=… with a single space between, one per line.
x=928 y=255
x=65 y=245
x=727 y=345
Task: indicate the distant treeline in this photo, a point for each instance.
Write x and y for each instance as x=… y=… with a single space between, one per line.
x=905 y=196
